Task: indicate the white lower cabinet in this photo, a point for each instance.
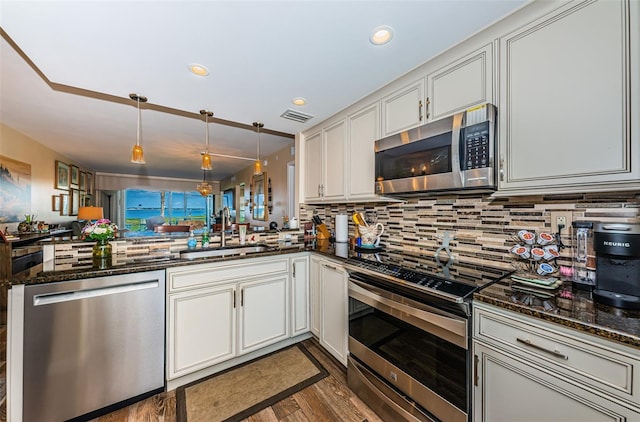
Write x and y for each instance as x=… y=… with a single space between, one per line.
x=300 y=316
x=529 y=370
x=195 y=340
x=220 y=311
x=263 y=311
x=333 y=309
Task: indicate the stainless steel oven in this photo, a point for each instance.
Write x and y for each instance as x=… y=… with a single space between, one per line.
x=409 y=342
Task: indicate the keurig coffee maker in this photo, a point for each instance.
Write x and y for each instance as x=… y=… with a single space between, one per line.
x=617 y=248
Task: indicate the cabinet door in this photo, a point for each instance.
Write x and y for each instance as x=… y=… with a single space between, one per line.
x=299 y=295
x=264 y=312
x=202 y=327
x=313 y=167
x=364 y=130
x=403 y=109
x=565 y=100
x=314 y=295
x=462 y=84
x=334 y=161
x=333 y=314
x=510 y=389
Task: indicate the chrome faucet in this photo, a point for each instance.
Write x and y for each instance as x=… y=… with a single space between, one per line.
x=226 y=217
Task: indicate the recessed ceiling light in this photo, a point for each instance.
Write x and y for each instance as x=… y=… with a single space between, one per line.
x=299 y=101
x=198 y=69
x=381 y=35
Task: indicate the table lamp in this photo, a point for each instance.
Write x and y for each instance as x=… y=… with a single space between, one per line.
x=90 y=213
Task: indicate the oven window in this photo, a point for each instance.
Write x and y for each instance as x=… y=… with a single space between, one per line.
x=419 y=158
x=432 y=361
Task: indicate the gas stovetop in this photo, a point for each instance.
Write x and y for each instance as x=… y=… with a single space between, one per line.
x=449 y=280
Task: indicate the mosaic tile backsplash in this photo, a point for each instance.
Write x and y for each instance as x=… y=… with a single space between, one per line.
x=484 y=228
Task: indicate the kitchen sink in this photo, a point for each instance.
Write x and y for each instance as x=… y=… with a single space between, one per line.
x=223 y=251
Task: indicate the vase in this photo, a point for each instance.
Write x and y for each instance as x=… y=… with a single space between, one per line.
x=102 y=254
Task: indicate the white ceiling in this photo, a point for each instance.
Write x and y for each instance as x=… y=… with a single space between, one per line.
x=260 y=54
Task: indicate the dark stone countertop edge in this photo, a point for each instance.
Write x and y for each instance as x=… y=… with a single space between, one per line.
x=78 y=274
x=599 y=331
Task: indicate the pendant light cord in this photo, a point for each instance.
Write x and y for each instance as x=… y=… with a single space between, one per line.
x=139 y=118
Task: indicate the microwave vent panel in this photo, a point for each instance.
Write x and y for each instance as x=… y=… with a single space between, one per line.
x=297 y=116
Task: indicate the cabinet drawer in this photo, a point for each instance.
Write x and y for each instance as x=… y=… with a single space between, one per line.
x=201 y=275
x=596 y=363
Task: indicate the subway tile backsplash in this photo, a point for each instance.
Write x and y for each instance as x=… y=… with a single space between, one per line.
x=484 y=227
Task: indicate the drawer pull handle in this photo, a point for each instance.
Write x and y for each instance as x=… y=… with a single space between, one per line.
x=543 y=349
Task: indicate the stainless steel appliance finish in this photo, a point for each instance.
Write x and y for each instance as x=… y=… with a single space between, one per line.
x=409 y=331
x=617 y=248
x=456 y=153
x=92 y=343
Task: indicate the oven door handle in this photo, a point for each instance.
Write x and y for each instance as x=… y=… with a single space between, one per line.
x=450 y=328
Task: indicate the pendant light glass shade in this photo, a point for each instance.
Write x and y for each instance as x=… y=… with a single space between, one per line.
x=206 y=163
x=257 y=166
x=204 y=187
x=137 y=154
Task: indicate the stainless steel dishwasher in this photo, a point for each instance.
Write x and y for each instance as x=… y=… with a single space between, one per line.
x=91 y=344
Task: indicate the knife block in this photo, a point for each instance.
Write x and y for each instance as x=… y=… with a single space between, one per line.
x=322 y=232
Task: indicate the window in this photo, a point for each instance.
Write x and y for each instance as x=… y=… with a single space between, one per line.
x=143 y=209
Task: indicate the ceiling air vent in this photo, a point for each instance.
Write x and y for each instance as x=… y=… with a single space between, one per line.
x=298 y=116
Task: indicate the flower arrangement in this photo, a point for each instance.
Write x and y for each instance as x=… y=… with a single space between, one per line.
x=101 y=230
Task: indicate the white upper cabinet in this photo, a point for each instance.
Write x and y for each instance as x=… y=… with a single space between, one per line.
x=363 y=131
x=335 y=151
x=324 y=163
x=404 y=108
x=461 y=84
x=569 y=89
x=313 y=167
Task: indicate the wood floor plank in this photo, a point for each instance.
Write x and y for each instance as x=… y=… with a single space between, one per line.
x=285 y=407
x=265 y=415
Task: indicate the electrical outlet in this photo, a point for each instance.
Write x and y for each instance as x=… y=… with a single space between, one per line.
x=561 y=217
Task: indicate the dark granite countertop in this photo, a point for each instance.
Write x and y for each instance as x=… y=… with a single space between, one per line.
x=568 y=306
x=142 y=264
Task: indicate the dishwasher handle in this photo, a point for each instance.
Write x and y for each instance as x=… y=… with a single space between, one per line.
x=52 y=298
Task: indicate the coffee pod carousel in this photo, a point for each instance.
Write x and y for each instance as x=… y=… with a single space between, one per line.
x=536 y=262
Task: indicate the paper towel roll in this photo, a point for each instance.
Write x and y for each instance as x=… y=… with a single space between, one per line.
x=342 y=228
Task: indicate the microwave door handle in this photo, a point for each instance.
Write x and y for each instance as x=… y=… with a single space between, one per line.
x=456 y=169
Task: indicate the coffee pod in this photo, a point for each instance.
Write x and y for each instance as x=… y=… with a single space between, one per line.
x=545 y=238
x=521 y=251
x=527 y=237
x=537 y=253
x=551 y=252
x=544 y=269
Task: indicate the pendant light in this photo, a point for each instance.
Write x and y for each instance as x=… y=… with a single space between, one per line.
x=137 y=155
x=206 y=157
x=257 y=166
x=204 y=187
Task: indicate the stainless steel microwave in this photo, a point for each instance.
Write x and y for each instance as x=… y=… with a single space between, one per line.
x=456 y=153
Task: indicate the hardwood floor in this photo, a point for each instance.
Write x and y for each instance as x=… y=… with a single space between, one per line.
x=327 y=400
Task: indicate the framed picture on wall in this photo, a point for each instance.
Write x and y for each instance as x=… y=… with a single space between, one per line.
x=74 y=202
x=83 y=181
x=64 y=204
x=62 y=175
x=55 y=202
x=89 y=182
x=75 y=177
x=87 y=201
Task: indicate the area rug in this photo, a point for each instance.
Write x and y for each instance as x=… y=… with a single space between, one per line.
x=239 y=392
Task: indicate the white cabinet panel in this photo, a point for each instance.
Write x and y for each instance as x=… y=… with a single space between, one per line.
x=264 y=312
x=462 y=84
x=565 y=100
x=314 y=294
x=334 y=308
x=201 y=329
x=509 y=389
x=334 y=161
x=403 y=109
x=313 y=167
x=363 y=131
x=299 y=295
